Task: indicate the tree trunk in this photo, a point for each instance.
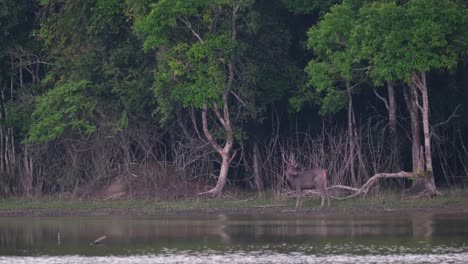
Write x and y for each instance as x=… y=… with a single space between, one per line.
x=27 y=175
x=352 y=141
x=223 y=118
x=393 y=126
x=217 y=191
x=411 y=98
x=224 y=152
x=420 y=83
x=256 y=169
x=424 y=183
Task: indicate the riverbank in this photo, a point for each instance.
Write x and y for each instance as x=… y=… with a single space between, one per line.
x=454 y=201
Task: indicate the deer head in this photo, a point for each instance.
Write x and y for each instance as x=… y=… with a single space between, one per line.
x=292 y=167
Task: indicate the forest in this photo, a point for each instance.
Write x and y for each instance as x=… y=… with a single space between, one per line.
x=172 y=99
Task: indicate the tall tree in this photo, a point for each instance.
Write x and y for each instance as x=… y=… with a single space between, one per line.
x=197 y=46
x=404 y=43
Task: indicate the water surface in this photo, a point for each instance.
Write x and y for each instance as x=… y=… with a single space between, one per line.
x=389 y=238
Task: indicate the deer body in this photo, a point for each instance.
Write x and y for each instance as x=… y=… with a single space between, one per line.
x=302 y=180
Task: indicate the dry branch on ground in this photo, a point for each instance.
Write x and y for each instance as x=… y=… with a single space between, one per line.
x=366 y=187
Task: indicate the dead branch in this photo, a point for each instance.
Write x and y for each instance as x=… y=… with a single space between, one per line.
x=365 y=188
x=357 y=191
x=339 y=186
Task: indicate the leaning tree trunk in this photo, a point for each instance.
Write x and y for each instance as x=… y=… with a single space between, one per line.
x=217 y=191
x=225 y=151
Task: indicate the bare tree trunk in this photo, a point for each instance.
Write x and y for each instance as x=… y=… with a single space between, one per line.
x=28 y=173
x=420 y=83
x=256 y=169
x=393 y=125
x=352 y=141
x=390 y=105
x=426 y=182
x=411 y=98
x=2 y=132
x=223 y=174
x=224 y=152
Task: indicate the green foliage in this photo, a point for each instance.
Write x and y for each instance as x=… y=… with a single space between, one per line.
x=194 y=44
x=65 y=107
x=391 y=41
x=202 y=71
x=136 y=8
x=15 y=22
x=420 y=35
x=299 y=7
x=160 y=25
x=92 y=40
x=334 y=59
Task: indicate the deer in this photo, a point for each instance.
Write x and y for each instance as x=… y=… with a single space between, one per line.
x=306 y=179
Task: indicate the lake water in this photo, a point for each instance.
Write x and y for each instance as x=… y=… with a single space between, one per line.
x=219 y=238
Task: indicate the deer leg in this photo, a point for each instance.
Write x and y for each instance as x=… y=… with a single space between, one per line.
x=324 y=190
x=325 y=196
x=298 y=199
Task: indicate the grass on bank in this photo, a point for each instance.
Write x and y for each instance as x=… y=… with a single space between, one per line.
x=453 y=198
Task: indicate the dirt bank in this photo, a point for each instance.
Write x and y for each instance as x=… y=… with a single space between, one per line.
x=211 y=211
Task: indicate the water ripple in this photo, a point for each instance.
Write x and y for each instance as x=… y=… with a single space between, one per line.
x=244 y=257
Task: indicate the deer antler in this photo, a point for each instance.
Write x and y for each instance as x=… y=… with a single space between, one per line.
x=284 y=158
x=292 y=160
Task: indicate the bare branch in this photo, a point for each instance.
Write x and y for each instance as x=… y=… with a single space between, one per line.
x=218 y=115
x=189 y=26
x=450 y=117
x=238 y=98
x=365 y=188
x=381 y=98
x=207 y=132
x=233 y=156
x=339 y=186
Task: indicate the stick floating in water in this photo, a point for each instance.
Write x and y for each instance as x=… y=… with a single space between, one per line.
x=99 y=240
